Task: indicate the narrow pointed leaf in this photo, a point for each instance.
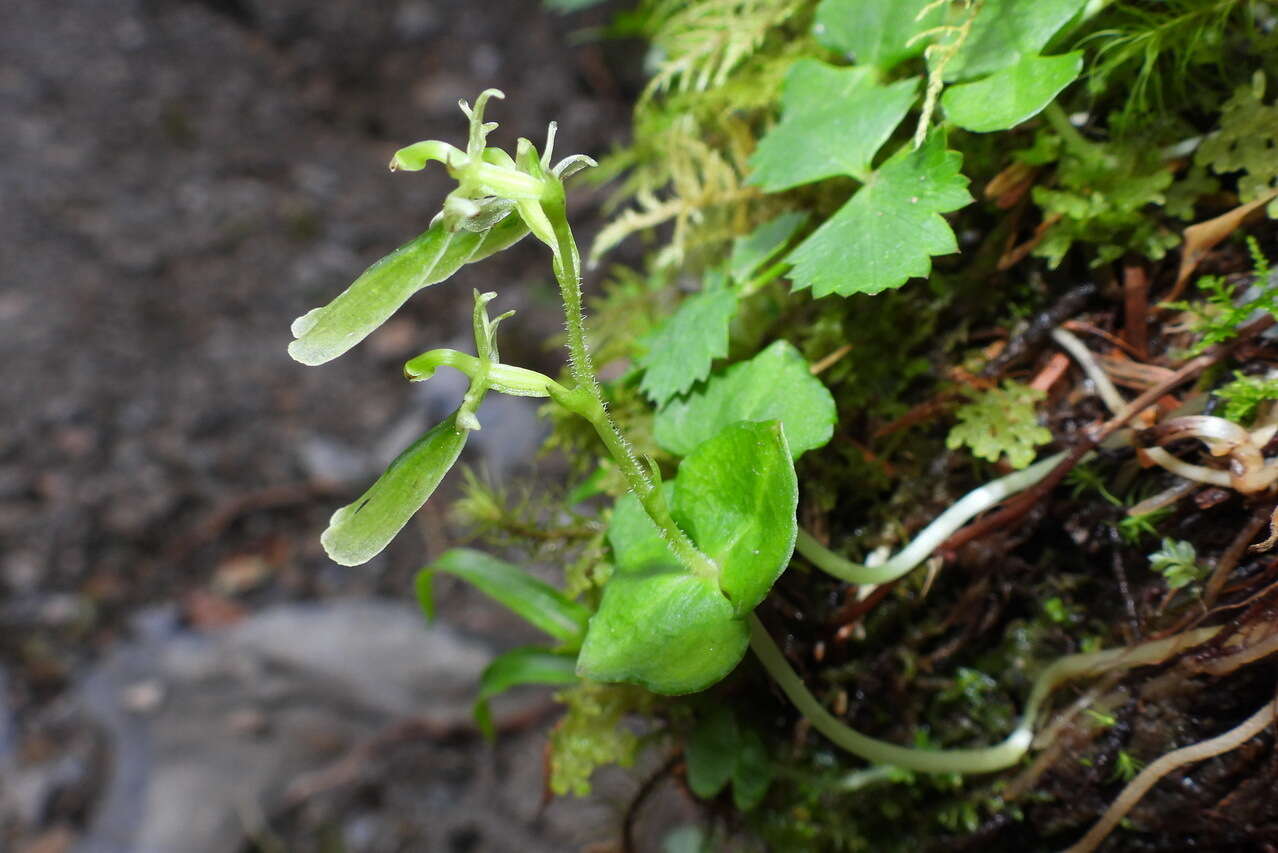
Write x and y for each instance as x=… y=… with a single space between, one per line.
x=517 y=667
x=775 y=384
x=325 y=333
x=359 y=531
x=536 y=602
x=1009 y=97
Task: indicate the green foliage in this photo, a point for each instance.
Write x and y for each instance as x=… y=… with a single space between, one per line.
x=1001 y=421
x=762 y=245
x=1012 y=95
x=1244 y=395
x=532 y=600
x=517 y=667
x=680 y=352
x=890 y=229
x=1126 y=766
x=1133 y=528
x=775 y=384
x=1006 y=31
x=1177 y=562
x=879 y=33
x=1221 y=313
x=833 y=122
x=1103 y=196
x=592 y=734
x=678 y=631
x=722 y=749
x=1247 y=142
x=1152 y=52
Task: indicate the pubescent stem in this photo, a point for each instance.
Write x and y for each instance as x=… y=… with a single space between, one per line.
x=587 y=398
x=980 y=760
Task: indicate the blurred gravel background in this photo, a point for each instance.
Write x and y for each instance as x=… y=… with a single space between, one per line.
x=181 y=668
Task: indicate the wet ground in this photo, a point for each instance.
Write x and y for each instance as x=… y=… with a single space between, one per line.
x=181 y=180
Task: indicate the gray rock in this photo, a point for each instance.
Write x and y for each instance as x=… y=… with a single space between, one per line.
x=206 y=732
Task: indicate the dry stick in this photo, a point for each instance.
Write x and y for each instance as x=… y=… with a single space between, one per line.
x=1229 y=559
x=1173 y=760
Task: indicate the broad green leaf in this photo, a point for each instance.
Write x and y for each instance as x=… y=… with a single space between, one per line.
x=711 y=752
x=753 y=773
x=359 y=531
x=536 y=602
x=664 y=629
x=764 y=243
x=527 y=665
x=774 y=385
x=325 y=333
x=1006 y=30
x=1009 y=97
x=890 y=229
x=876 y=32
x=658 y=624
x=681 y=350
x=833 y=121
x=736 y=496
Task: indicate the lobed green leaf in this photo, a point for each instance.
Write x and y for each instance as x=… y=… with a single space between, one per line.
x=1009 y=97
x=681 y=350
x=833 y=121
x=1007 y=30
x=664 y=629
x=888 y=232
x=660 y=625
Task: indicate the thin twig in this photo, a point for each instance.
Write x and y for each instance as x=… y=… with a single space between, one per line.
x=1173 y=760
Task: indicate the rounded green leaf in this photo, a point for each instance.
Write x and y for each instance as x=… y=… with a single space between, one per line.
x=664 y=629
x=359 y=531
x=736 y=496
x=774 y=385
x=1009 y=97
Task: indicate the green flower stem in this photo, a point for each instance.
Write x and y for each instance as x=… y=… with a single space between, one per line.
x=981 y=760
x=587 y=398
x=946 y=524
